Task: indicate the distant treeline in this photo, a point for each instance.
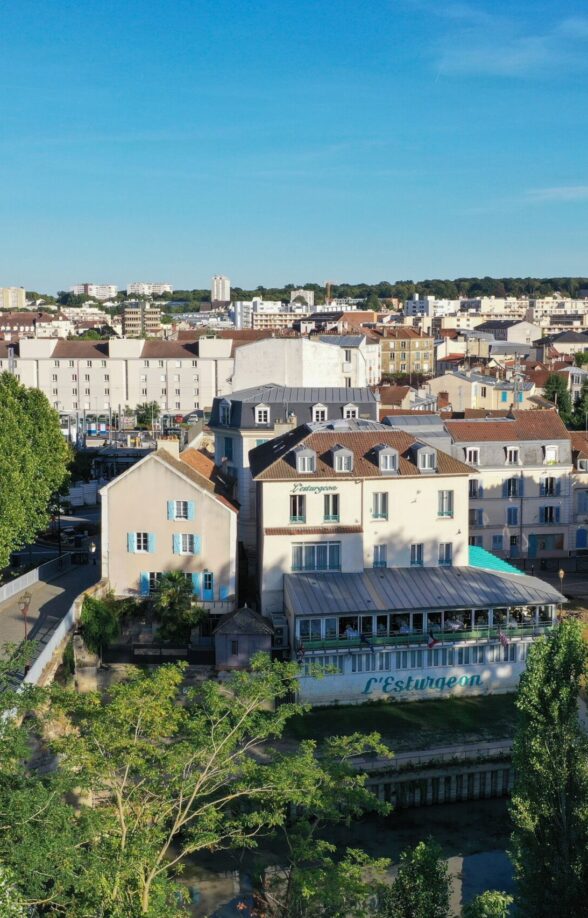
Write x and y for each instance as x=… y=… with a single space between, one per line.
x=384 y=290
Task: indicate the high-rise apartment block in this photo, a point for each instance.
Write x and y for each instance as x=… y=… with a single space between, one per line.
x=12 y=298
x=141 y=320
x=220 y=291
x=145 y=288
x=96 y=291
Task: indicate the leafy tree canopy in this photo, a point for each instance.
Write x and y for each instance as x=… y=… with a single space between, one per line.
x=489 y=904
x=422 y=886
x=146 y=413
x=34 y=457
x=556 y=391
x=549 y=806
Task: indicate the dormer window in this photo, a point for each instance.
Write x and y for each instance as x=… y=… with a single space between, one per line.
x=305 y=461
x=319 y=413
x=583 y=465
x=551 y=454
x=426 y=458
x=342 y=459
x=512 y=455
x=387 y=459
x=262 y=414
x=350 y=411
x=225 y=412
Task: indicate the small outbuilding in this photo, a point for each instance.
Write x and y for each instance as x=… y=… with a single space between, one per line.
x=239 y=636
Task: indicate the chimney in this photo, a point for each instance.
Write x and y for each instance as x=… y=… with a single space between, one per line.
x=169 y=445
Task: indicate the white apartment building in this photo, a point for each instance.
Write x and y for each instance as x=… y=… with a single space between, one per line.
x=241 y=312
x=520 y=493
x=420 y=306
x=96 y=291
x=145 y=288
x=220 y=290
x=13 y=298
x=339 y=361
x=364 y=559
x=466 y=390
x=307 y=296
x=188 y=524
x=104 y=376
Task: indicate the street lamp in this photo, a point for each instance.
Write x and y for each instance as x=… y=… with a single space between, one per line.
x=24 y=602
x=93 y=552
x=561 y=574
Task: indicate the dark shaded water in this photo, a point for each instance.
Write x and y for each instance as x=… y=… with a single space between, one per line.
x=473 y=835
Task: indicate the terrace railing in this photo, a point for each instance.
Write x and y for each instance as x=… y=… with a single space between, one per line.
x=418 y=638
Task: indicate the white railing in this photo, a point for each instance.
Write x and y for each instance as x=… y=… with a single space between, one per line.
x=44 y=573
x=61 y=631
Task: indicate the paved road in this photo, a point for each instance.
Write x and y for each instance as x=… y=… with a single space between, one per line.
x=49 y=603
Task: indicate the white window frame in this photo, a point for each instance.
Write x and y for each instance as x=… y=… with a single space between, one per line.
x=380 y=556
x=445 y=554
x=306 y=465
x=513 y=455
x=426 y=460
x=417 y=552
x=551 y=453
x=225 y=413
x=388 y=462
x=320 y=413
x=262 y=414
x=179 y=514
x=186 y=543
x=380 y=505
x=350 y=411
x=473 y=455
x=343 y=462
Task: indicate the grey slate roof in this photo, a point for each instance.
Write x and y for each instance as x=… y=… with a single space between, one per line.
x=403 y=588
x=285 y=400
x=342 y=340
x=244 y=621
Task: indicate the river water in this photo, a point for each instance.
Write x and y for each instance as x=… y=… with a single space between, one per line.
x=473 y=835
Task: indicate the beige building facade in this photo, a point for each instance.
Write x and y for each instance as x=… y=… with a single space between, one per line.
x=406 y=350
x=170 y=512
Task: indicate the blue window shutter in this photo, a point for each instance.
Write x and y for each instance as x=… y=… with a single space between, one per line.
x=541 y=514
x=480 y=490
x=521 y=487
x=176 y=543
x=542 y=488
x=197 y=585
x=505 y=488
x=197 y=544
x=190 y=509
x=144 y=583
x=171 y=510
x=209 y=594
x=132 y=542
x=150 y=541
x=557 y=514
x=581 y=538
x=224 y=592
x=558 y=486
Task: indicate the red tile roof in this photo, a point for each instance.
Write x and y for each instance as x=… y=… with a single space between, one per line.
x=393 y=395
x=275 y=460
x=543 y=425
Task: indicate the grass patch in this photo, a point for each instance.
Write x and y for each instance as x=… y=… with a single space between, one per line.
x=413 y=725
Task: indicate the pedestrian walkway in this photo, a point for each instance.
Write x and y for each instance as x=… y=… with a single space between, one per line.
x=49 y=603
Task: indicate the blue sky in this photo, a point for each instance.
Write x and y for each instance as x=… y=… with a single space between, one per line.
x=279 y=141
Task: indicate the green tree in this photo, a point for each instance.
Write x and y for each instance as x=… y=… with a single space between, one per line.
x=170 y=773
x=100 y=622
x=33 y=463
x=313 y=881
x=147 y=413
x=489 y=904
x=174 y=607
x=556 y=391
x=422 y=886
x=581 y=358
x=549 y=806
x=580 y=418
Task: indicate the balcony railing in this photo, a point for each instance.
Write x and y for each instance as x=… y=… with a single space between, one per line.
x=420 y=638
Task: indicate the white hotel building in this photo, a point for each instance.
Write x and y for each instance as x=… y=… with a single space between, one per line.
x=364 y=556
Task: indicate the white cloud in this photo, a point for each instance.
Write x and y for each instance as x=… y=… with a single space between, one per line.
x=485 y=45
x=561 y=193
